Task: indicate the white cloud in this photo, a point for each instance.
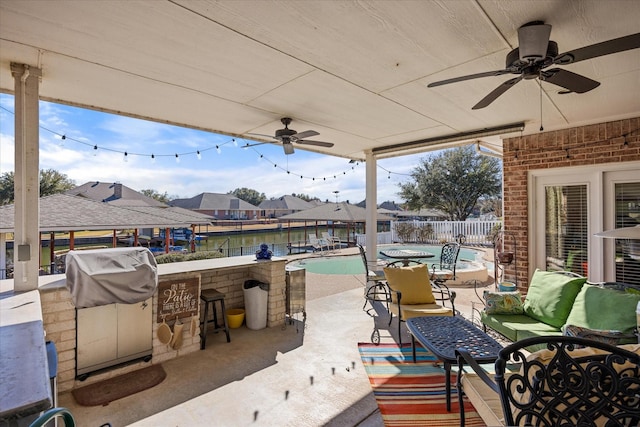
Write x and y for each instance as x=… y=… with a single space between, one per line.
x=234 y=167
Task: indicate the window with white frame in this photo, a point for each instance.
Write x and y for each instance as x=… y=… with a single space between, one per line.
x=627 y=214
x=570 y=205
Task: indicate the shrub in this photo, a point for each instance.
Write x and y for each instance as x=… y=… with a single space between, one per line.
x=405 y=230
x=167 y=258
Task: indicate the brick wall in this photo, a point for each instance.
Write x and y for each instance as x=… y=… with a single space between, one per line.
x=610 y=142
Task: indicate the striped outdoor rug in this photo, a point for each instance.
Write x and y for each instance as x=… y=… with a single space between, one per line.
x=412 y=394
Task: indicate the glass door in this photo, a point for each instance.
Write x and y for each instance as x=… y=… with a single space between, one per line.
x=622 y=190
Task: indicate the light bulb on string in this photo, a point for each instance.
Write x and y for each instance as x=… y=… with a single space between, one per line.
x=62 y=138
x=198 y=155
x=125 y=158
x=218 y=149
x=95 y=150
x=153 y=158
x=177 y=158
x=235 y=143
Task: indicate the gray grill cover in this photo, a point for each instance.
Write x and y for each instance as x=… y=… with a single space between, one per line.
x=106 y=276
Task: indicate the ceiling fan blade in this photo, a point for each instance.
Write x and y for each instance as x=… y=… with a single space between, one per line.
x=497 y=92
x=317 y=143
x=571 y=81
x=305 y=134
x=469 y=77
x=599 y=49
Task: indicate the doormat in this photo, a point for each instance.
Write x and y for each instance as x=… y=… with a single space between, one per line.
x=412 y=394
x=103 y=392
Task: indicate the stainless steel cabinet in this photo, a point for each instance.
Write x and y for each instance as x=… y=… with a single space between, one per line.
x=111 y=334
x=295 y=292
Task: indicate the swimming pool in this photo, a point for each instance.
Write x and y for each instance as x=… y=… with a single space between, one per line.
x=469 y=262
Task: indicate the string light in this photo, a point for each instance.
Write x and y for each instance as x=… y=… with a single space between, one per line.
x=177 y=156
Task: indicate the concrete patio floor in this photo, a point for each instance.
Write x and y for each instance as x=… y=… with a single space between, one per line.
x=307 y=373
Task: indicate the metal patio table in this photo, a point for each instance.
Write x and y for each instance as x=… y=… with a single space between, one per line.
x=406 y=255
x=442 y=335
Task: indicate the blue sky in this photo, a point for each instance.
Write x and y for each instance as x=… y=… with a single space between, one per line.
x=263 y=168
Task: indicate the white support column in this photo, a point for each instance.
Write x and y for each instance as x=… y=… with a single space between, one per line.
x=371 y=230
x=27 y=178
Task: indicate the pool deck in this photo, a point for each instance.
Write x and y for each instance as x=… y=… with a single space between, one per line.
x=305 y=373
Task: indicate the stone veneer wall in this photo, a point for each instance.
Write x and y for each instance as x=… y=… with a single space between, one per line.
x=610 y=142
x=59 y=316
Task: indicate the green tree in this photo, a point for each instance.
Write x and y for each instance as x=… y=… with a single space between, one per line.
x=164 y=198
x=51 y=182
x=248 y=195
x=453 y=181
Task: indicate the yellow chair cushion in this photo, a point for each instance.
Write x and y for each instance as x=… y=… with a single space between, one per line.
x=412 y=281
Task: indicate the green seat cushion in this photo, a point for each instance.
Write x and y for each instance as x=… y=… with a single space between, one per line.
x=550 y=296
x=604 y=309
x=511 y=325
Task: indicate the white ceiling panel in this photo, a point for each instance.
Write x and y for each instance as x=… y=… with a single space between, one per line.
x=354 y=71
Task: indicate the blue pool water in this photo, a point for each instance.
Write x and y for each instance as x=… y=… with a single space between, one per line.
x=352 y=264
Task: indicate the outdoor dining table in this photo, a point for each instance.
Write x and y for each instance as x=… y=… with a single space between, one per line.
x=406 y=254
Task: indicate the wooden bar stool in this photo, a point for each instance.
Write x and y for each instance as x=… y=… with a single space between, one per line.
x=210 y=296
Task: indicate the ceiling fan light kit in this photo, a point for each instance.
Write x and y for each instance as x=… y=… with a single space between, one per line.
x=532 y=39
x=535 y=52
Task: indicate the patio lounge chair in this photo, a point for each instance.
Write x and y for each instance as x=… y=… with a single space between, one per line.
x=413 y=294
x=333 y=241
x=573 y=381
x=375 y=283
x=318 y=244
x=446 y=269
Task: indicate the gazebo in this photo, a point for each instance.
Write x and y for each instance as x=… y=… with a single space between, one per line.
x=332 y=213
x=66 y=213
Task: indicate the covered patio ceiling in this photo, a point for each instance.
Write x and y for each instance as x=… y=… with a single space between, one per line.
x=354 y=71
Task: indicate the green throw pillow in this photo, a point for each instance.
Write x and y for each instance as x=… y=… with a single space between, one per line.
x=550 y=296
x=503 y=302
x=604 y=309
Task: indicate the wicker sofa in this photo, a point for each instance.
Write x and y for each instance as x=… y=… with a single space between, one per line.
x=560 y=303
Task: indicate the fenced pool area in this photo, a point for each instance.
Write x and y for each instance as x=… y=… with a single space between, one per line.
x=470 y=265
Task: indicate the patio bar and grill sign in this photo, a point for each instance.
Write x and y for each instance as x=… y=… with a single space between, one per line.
x=177 y=298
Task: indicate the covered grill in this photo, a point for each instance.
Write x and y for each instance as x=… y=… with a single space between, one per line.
x=112 y=290
x=108 y=276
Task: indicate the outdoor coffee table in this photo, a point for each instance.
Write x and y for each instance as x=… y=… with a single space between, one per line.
x=442 y=335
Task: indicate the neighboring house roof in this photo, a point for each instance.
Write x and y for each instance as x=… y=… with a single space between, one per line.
x=391 y=206
x=63 y=212
x=113 y=193
x=334 y=212
x=387 y=211
x=176 y=213
x=213 y=201
x=286 y=203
